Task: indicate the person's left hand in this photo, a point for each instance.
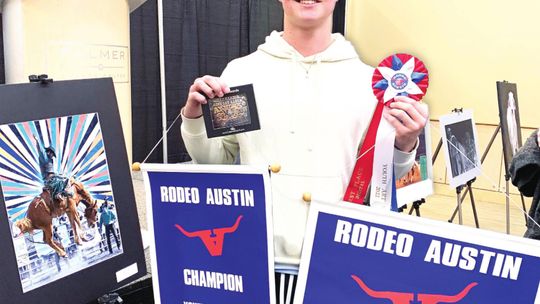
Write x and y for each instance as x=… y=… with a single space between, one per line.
x=408 y=117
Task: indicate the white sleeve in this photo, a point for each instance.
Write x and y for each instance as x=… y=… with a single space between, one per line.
x=204 y=150
x=403 y=161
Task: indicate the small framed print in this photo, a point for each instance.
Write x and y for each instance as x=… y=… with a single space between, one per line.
x=462 y=157
x=235 y=112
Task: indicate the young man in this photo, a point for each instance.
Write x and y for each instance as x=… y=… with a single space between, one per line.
x=315 y=102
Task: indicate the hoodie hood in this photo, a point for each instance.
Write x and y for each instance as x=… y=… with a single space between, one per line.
x=340 y=49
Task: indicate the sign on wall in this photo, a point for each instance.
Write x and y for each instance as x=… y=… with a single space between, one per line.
x=212 y=234
x=355 y=254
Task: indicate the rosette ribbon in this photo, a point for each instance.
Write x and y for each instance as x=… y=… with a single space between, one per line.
x=396 y=75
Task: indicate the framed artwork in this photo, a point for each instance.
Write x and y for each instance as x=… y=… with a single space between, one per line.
x=509 y=120
x=68 y=219
x=418 y=182
x=461 y=147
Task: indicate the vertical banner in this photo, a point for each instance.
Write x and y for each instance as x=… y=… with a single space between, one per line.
x=212 y=233
x=356 y=254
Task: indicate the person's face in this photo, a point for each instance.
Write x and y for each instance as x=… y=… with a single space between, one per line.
x=307 y=13
x=50 y=154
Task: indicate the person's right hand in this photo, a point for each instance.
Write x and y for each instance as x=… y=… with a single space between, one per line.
x=203 y=87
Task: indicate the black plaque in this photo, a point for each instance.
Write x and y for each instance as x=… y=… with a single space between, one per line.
x=235 y=112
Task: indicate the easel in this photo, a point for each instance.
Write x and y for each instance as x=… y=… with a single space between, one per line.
x=506 y=177
x=416 y=207
x=460 y=200
x=416 y=204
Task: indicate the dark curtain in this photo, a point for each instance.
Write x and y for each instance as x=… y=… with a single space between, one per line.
x=200 y=37
x=338 y=24
x=2 y=69
x=145 y=86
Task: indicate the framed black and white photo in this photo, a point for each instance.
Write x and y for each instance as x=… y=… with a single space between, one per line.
x=461 y=147
x=68 y=219
x=509 y=120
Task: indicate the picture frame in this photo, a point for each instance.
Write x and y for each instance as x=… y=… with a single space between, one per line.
x=81 y=121
x=460 y=141
x=509 y=121
x=418 y=182
x=233 y=113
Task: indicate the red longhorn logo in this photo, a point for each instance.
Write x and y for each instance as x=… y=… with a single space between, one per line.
x=212 y=238
x=409 y=298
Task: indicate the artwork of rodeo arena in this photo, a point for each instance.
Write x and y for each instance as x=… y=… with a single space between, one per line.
x=254 y=151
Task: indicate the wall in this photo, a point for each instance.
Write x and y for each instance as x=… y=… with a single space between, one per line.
x=467 y=46
x=70 y=40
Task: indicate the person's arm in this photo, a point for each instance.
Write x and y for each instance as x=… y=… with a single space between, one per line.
x=101 y=220
x=41 y=152
x=408 y=117
x=220 y=150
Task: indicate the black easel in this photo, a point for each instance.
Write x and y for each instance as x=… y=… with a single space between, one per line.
x=416 y=204
x=507 y=178
x=468 y=185
x=460 y=200
x=416 y=207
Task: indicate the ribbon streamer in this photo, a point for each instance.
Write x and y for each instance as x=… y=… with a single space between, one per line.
x=396 y=75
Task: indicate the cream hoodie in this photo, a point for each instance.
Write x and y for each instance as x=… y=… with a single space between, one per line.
x=314 y=112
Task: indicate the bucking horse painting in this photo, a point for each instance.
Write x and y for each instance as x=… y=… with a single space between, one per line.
x=44 y=207
x=50 y=168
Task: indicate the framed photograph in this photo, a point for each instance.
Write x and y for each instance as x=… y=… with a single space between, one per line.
x=418 y=182
x=68 y=219
x=55 y=193
x=509 y=120
x=461 y=147
x=235 y=112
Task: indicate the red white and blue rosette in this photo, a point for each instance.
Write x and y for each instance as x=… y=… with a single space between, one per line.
x=396 y=75
x=400 y=75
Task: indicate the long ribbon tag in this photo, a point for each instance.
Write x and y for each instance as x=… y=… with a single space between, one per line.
x=363 y=169
x=396 y=75
x=383 y=166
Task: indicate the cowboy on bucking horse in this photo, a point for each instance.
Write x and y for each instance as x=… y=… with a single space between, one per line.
x=54 y=183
